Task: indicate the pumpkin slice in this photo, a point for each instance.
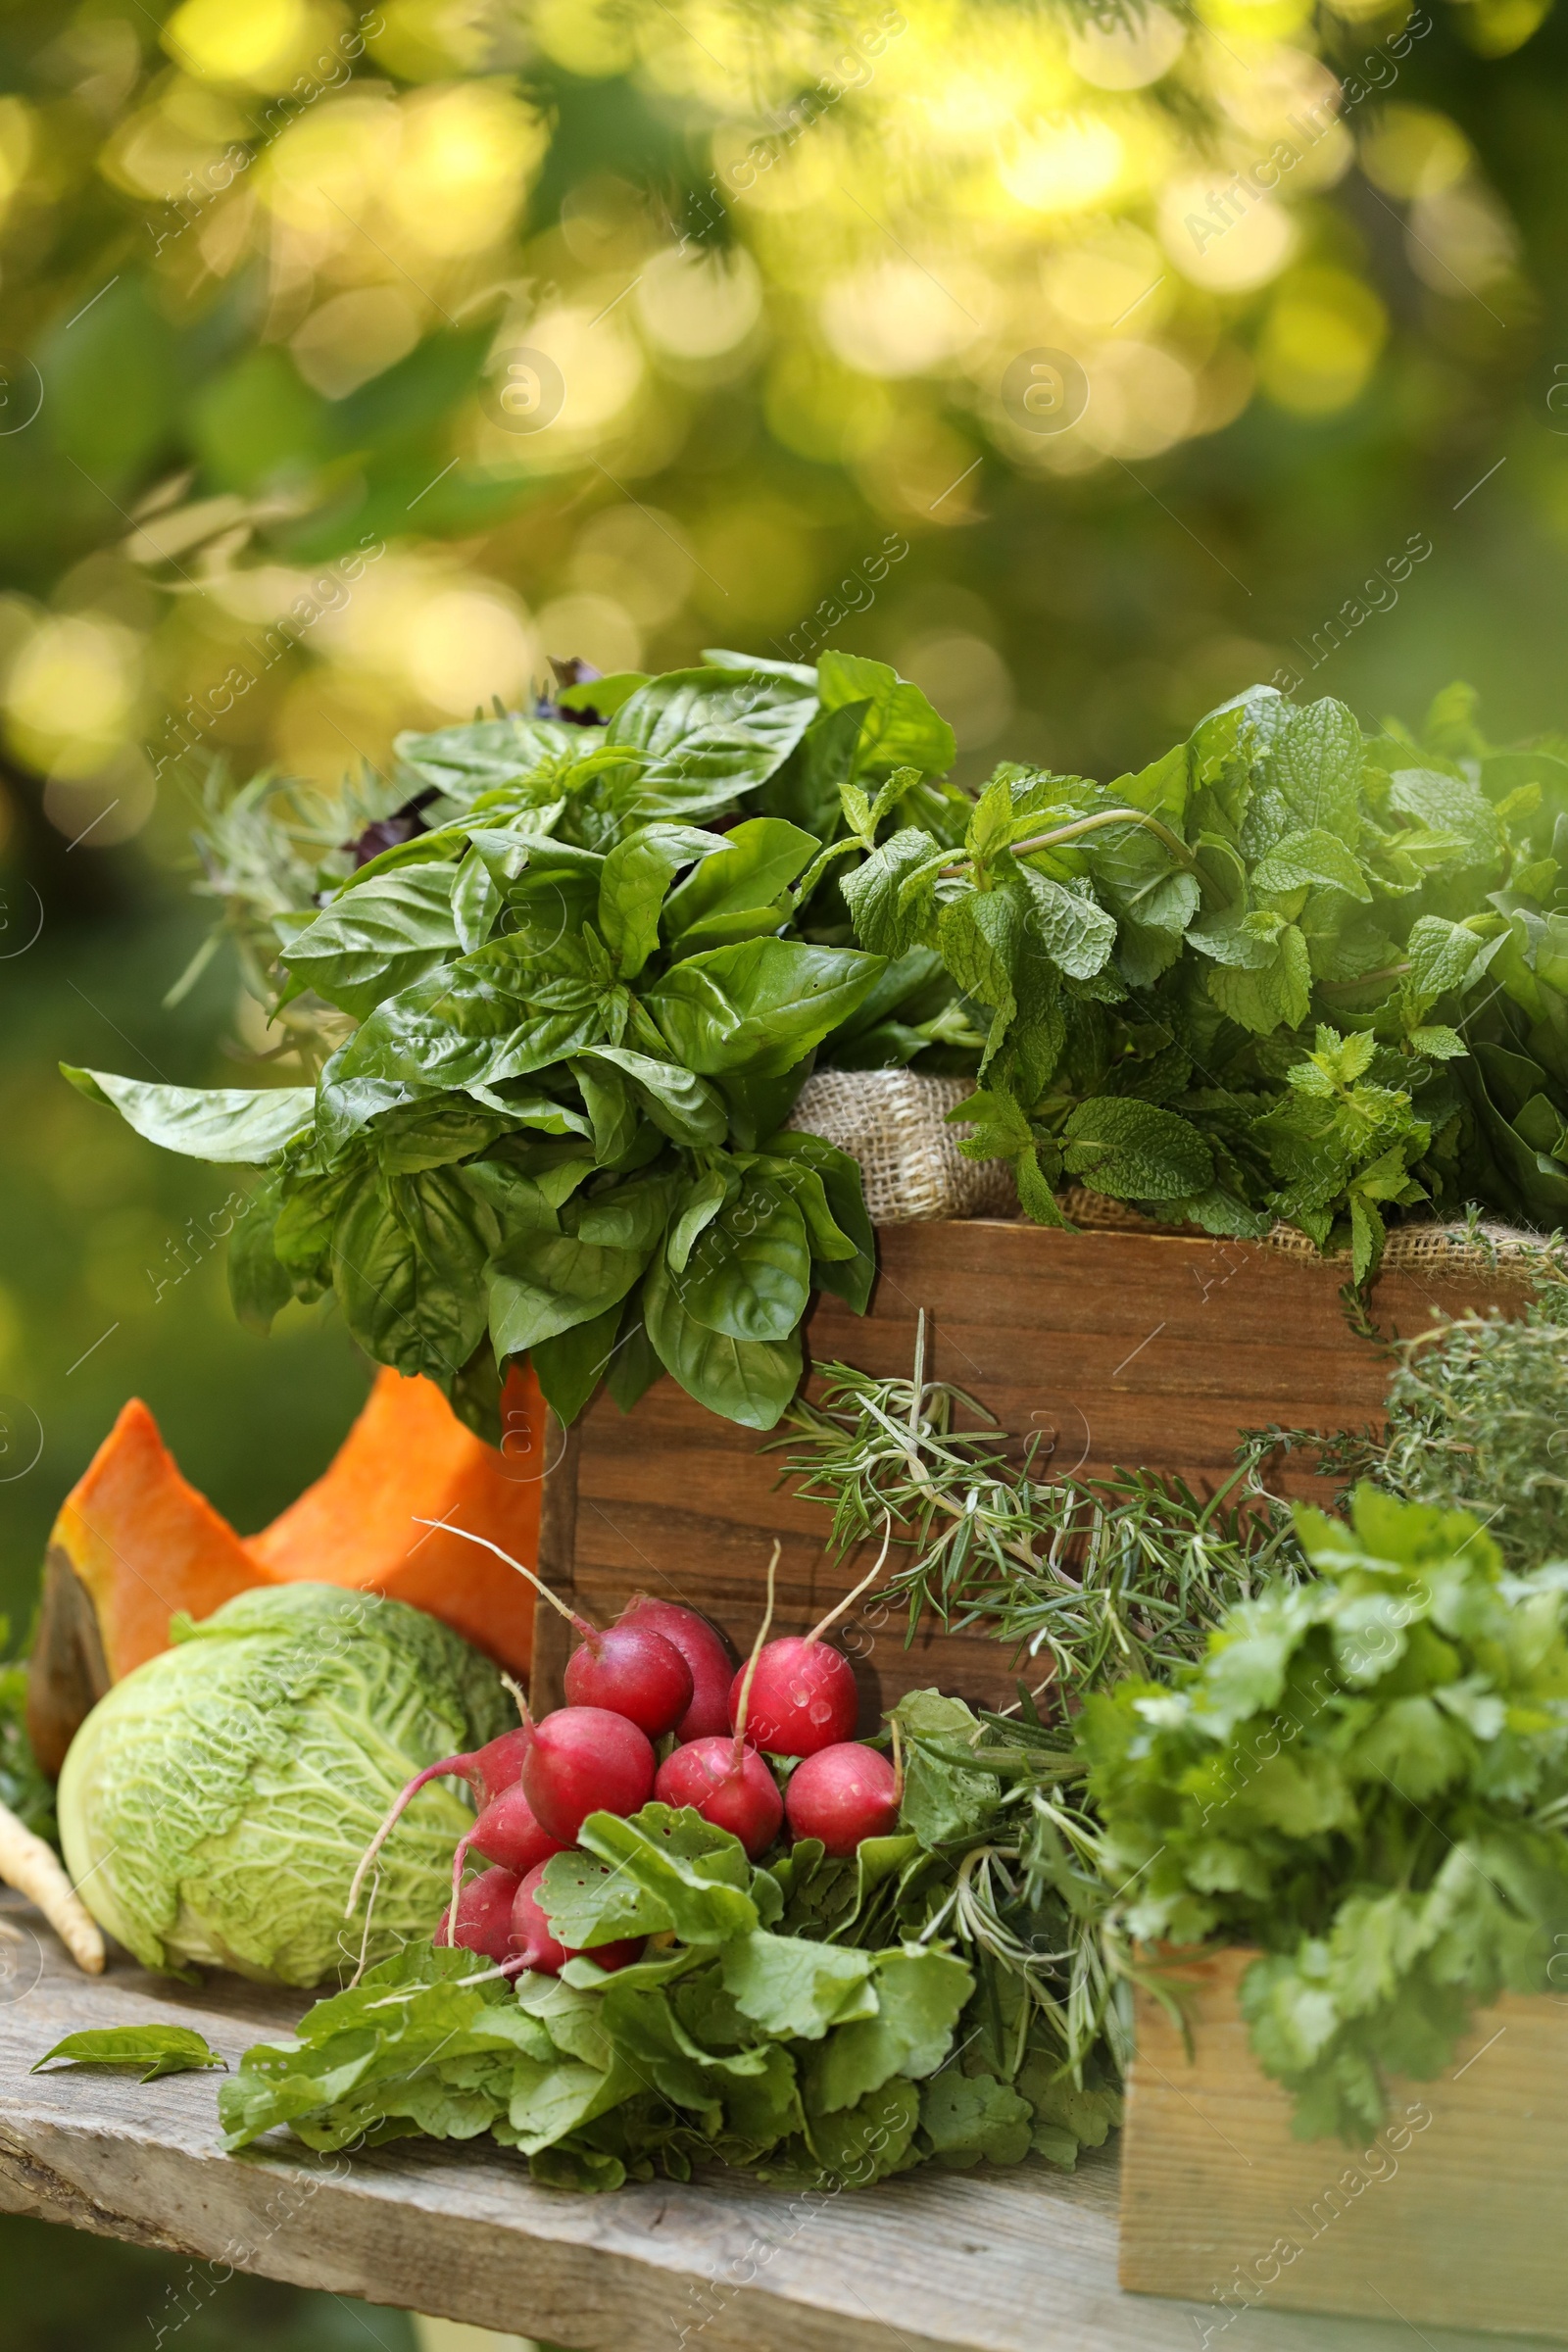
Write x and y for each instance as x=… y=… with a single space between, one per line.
x=135 y=1542
x=408 y=1458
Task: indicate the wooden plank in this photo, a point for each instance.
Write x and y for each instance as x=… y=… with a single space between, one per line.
x=1452 y=2216
x=938 y=2262
x=1121 y=1347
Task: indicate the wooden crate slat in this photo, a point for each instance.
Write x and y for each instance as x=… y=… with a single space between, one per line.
x=1131 y=1349
x=1453 y=2214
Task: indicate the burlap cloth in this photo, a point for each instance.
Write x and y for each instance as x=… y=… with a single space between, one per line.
x=894 y=1122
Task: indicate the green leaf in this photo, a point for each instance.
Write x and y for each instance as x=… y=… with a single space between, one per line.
x=708 y=736
x=1313 y=857
x=746 y=1381
x=259 y=1284
x=1315 y=768
x=1449 y=805
x=631 y=1215
x=943 y=1800
x=1276 y=996
x=851 y=1279
x=408 y=1263
x=1075 y=930
x=891 y=913
x=760 y=1007
x=152 y=2050
x=372 y=940
x=980 y=937
x=570 y=1366
x=541 y=1284
x=759 y=862
x=224 y=1123
x=695 y=1876
x=900 y=728
x=1135 y=1151
x=920 y=1995
x=970 y=2119
x=679 y=1103
x=792 y=1987
x=633 y=884
x=749 y=1274
x=867 y=2143
x=465 y=761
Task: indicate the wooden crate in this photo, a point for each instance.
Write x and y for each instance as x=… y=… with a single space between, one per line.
x=1452 y=2217
x=1125 y=1349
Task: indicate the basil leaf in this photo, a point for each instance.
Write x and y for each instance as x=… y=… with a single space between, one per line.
x=372 y=941
x=224 y=1123
x=760 y=1007
x=611 y=1105
x=431 y=1135
x=746 y=1381
x=152 y=2050
x=408 y=1265
x=680 y=1104
x=633 y=1367
x=464 y=761
x=632 y=886
x=476 y=903
x=259 y=1284
x=700 y=1205
x=570 y=1366
x=756 y=864
x=850 y=1279
x=631 y=1215
x=900 y=728
x=750 y=1273
x=543 y=1283
x=709 y=736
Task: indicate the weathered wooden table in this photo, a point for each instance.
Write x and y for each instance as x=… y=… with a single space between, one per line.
x=1018 y=2261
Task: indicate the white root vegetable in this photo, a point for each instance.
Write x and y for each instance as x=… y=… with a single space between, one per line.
x=34 y=1870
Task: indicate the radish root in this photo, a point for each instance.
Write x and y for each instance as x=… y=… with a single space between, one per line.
x=582 y=1625
x=34 y=1869
x=756 y=1652
x=851 y=1597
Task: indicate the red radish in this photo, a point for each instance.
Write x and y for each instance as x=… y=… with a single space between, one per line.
x=534 y=1943
x=584 y=1760
x=633 y=1671
x=803 y=1695
x=506 y=1832
x=706 y=1652
x=842 y=1795
x=484 y=1915
x=729 y=1784
x=488 y=1771
x=724 y=1780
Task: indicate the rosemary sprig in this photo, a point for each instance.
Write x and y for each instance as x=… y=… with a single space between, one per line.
x=1100 y=1578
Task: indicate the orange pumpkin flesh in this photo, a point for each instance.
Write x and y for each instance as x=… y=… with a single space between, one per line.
x=135 y=1542
x=408 y=1458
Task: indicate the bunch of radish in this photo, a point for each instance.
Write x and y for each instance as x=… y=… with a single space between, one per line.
x=660 y=1673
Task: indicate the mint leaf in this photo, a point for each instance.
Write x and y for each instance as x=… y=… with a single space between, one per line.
x=1135 y=1151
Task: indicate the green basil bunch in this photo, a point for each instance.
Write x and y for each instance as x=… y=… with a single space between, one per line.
x=576 y=1020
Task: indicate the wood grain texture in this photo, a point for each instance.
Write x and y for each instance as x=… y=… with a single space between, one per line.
x=940 y=2262
x=1121 y=1348
x=1452 y=2216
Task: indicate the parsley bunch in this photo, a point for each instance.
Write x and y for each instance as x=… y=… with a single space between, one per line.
x=1366 y=1775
